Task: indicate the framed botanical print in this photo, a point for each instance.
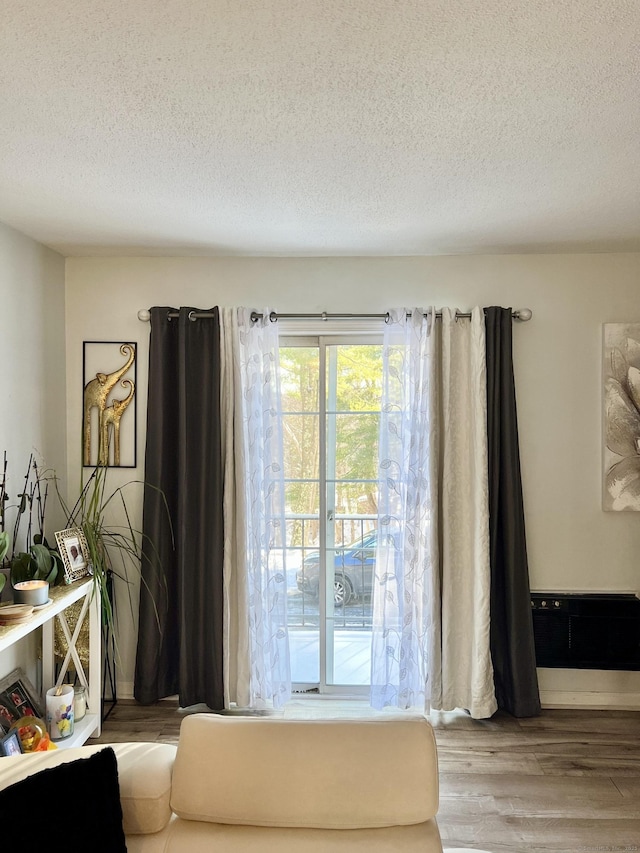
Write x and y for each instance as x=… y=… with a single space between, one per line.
x=621 y=417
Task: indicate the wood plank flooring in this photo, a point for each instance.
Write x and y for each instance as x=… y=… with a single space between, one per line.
x=566 y=781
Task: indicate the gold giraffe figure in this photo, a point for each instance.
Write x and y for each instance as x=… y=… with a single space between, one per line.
x=111 y=418
x=96 y=392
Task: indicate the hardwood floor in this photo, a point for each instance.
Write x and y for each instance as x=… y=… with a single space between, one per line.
x=565 y=781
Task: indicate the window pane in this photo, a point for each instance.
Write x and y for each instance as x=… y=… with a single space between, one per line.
x=302 y=530
x=353 y=528
x=340 y=567
x=301 y=449
x=299 y=378
x=300 y=402
x=359 y=378
x=356 y=451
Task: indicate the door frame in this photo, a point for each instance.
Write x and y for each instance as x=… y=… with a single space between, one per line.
x=326 y=626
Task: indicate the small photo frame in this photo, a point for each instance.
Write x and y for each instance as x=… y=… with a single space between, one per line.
x=7 y=717
x=18 y=698
x=10 y=744
x=74 y=552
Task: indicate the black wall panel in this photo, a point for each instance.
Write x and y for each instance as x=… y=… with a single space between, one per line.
x=586 y=631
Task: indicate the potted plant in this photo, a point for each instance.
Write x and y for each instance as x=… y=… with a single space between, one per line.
x=38 y=561
x=4 y=547
x=114 y=545
x=113 y=548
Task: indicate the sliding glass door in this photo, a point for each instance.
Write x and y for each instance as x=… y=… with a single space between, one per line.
x=331 y=391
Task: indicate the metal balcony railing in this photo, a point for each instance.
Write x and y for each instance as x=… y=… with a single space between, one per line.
x=353 y=554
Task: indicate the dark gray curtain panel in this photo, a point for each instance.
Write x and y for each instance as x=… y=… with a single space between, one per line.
x=512 y=646
x=180 y=631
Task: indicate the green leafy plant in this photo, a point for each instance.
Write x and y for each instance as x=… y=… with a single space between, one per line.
x=114 y=545
x=4 y=547
x=38 y=561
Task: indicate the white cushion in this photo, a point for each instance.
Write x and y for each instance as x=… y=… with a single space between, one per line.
x=144 y=771
x=144 y=774
x=194 y=837
x=333 y=774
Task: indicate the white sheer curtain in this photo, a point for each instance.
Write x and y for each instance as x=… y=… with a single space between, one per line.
x=257 y=668
x=405 y=583
x=430 y=642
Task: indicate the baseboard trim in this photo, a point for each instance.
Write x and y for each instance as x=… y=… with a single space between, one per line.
x=590 y=700
x=578 y=699
x=125 y=692
x=125 y=689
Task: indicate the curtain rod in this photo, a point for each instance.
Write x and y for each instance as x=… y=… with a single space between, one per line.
x=521 y=314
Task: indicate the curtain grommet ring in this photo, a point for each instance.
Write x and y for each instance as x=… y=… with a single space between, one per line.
x=192 y=316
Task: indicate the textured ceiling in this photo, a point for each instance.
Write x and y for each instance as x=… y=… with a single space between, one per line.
x=294 y=127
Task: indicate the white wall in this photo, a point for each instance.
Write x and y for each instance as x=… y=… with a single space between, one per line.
x=573 y=544
x=32 y=377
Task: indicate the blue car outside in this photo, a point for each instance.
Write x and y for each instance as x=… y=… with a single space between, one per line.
x=353 y=571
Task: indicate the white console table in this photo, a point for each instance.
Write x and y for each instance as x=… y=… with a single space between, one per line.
x=61 y=598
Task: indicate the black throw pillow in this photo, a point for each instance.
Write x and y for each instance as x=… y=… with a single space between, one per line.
x=79 y=801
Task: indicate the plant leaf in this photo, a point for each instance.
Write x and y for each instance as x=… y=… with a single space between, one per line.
x=23 y=568
x=4 y=546
x=43 y=560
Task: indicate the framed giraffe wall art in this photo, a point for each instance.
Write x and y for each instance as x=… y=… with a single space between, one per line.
x=109 y=417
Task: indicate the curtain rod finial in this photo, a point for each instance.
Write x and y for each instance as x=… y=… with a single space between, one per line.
x=523 y=314
x=144 y=315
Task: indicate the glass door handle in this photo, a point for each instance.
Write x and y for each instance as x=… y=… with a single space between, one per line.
x=331 y=515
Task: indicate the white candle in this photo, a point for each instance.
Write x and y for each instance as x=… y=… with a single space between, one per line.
x=31 y=592
x=79 y=702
